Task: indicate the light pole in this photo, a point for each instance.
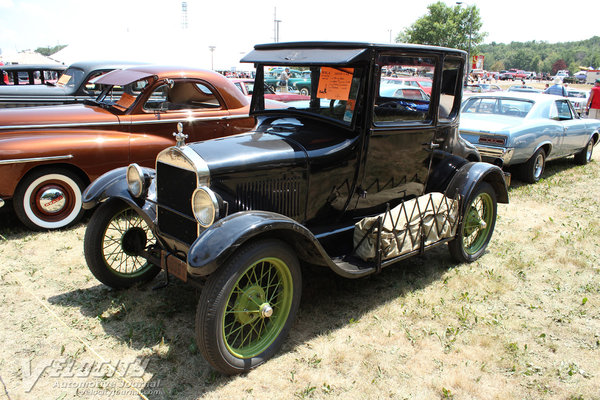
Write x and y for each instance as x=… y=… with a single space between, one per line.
x=459 y=3
x=212 y=57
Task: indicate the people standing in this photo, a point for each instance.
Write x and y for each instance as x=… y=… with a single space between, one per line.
x=593 y=103
x=283 y=80
x=557 y=89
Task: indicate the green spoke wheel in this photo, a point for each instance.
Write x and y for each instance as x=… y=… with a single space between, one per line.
x=248 y=306
x=113 y=239
x=477 y=225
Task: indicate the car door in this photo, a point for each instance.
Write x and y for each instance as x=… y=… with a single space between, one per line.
x=194 y=103
x=575 y=132
x=400 y=139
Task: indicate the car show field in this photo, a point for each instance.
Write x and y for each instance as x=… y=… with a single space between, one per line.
x=521 y=322
x=251 y=261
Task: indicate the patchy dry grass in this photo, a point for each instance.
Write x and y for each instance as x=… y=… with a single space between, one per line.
x=523 y=322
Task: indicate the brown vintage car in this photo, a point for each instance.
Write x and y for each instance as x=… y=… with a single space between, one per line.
x=48 y=155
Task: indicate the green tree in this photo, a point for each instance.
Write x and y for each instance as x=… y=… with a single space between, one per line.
x=455 y=27
x=48 y=51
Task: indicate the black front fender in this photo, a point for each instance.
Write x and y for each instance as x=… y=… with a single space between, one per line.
x=112 y=184
x=218 y=242
x=469 y=175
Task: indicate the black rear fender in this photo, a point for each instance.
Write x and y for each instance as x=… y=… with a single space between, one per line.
x=470 y=174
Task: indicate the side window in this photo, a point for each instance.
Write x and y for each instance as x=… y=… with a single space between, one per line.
x=182 y=96
x=157 y=101
x=92 y=88
x=399 y=99
x=564 y=111
x=451 y=84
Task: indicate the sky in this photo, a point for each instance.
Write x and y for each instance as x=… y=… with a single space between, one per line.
x=151 y=30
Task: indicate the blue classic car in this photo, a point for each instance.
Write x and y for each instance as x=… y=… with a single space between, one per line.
x=526 y=130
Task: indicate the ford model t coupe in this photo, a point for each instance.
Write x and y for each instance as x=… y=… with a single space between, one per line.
x=353 y=179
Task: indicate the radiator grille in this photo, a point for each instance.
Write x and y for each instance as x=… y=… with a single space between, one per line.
x=280 y=195
x=174 y=188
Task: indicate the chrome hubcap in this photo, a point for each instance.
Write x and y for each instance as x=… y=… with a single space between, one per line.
x=52 y=200
x=539 y=164
x=266 y=310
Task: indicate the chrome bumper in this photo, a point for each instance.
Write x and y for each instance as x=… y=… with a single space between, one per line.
x=504 y=154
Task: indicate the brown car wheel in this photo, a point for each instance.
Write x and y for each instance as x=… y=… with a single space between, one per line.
x=49 y=199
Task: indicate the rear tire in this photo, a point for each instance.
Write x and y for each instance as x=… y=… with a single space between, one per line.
x=585 y=155
x=533 y=169
x=248 y=306
x=476 y=226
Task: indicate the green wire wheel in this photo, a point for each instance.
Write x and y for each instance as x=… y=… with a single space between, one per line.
x=477 y=225
x=248 y=306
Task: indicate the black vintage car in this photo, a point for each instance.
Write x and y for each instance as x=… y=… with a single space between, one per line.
x=72 y=86
x=349 y=180
x=30 y=74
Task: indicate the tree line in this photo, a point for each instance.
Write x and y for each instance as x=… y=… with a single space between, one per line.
x=541 y=56
x=460 y=27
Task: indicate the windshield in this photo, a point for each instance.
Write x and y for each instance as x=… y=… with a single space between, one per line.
x=497 y=106
x=333 y=91
x=122 y=97
x=71 y=78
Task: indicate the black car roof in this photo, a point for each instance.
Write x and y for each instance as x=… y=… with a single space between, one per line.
x=33 y=67
x=329 y=52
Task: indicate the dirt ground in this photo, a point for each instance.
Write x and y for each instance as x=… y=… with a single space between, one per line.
x=523 y=322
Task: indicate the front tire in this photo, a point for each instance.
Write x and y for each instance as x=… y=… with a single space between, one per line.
x=533 y=169
x=113 y=236
x=305 y=92
x=248 y=306
x=49 y=199
x=476 y=226
x=585 y=155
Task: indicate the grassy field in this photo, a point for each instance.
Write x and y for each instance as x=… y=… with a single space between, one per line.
x=523 y=322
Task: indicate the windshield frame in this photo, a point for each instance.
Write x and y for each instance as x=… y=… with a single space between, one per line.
x=260 y=106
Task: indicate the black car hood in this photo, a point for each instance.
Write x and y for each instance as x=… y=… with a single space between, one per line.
x=275 y=142
x=249 y=151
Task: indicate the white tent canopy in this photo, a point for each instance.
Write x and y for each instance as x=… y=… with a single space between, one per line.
x=182 y=49
x=26 y=57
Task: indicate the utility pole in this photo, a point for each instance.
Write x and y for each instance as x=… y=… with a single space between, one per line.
x=184 y=15
x=470 y=34
x=212 y=57
x=276 y=26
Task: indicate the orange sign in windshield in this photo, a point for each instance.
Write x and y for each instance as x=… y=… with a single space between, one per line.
x=335 y=83
x=63 y=80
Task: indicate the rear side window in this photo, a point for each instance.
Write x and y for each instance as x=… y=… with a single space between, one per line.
x=451 y=84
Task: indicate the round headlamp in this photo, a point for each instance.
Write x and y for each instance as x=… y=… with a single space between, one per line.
x=205 y=206
x=135 y=180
